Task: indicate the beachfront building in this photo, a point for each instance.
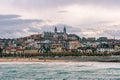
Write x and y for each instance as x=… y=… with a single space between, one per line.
x=106 y=47
x=19 y=51
x=13 y=50
x=10 y=50
x=86 y=49
x=57 y=48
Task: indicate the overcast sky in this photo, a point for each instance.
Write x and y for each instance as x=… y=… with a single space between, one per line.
x=88 y=18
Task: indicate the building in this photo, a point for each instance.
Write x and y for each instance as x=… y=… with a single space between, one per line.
x=73 y=45
x=91 y=39
x=106 y=47
x=60 y=35
x=57 y=48
x=102 y=39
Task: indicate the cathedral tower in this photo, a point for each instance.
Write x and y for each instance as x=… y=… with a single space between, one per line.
x=64 y=30
x=55 y=30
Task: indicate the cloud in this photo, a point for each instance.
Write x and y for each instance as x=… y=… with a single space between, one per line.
x=62 y=11
x=13 y=27
x=82 y=17
x=17 y=22
x=113 y=33
x=12 y=24
x=14 y=20
x=4 y=17
x=59 y=3
x=109 y=31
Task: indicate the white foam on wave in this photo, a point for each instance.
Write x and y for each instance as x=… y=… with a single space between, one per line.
x=91 y=64
x=106 y=65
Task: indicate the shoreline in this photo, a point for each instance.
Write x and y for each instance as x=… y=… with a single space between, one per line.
x=29 y=60
x=64 y=59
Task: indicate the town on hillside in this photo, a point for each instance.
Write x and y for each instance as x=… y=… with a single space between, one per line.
x=58 y=42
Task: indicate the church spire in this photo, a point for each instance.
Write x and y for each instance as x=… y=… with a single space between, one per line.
x=55 y=29
x=64 y=30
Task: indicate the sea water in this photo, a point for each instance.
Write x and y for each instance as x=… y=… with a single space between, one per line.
x=59 y=71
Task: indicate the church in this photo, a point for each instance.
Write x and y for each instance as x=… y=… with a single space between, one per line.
x=60 y=35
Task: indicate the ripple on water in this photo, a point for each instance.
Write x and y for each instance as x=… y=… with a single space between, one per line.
x=60 y=71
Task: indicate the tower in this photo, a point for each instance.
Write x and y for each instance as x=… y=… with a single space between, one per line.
x=64 y=30
x=55 y=30
x=65 y=33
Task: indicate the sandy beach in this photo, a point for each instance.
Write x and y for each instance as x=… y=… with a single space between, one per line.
x=65 y=59
x=29 y=60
